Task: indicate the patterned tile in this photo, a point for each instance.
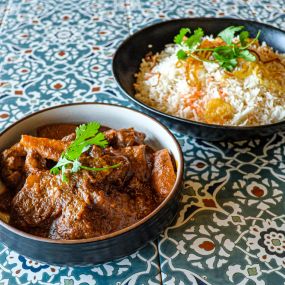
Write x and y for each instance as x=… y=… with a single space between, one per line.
x=141 y=267
x=143 y=13
x=231 y=210
x=55 y=52
x=231 y=223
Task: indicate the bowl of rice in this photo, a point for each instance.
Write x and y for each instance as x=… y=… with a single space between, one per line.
x=214 y=79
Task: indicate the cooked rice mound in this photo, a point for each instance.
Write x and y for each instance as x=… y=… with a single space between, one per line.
x=252 y=94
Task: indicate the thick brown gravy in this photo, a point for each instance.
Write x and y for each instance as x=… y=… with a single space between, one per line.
x=92 y=203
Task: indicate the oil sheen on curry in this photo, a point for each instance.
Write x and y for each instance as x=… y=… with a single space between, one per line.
x=77 y=182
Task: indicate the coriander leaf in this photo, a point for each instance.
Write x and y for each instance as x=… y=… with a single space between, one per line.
x=62 y=162
x=245 y=54
x=63 y=175
x=179 y=38
x=86 y=135
x=236 y=50
x=243 y=36
x=195 y=39
x=228 y=34
x=75 y=149
x=226 y=57
x=86 y=131
x=229 y=64
x=54 y=170
x=99 y=140
x=223 y=53
x=255 y=39
x=86 y=148
x=181 y=54
x=76 y=165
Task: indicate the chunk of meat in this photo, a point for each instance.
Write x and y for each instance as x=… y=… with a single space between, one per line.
x=12 y=163
x=119 y=175
x=47 y=148
x=117 y=208
x=96 y=151
x=3 y=187
x=38 y=200
x=56 y=131
x=34 y=162
x=124 y=137
x=69 y=138
x=140 y=159
x=75 y=222
x=115 y=176
x=6 y=200
x=163 y=174
x=142 y=193
x=99 y=214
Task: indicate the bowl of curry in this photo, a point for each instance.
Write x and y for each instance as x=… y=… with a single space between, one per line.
x=87 y=183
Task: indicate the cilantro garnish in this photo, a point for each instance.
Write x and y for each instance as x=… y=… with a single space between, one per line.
x=86 y=135
x=243 y=36
x=195 y=39
x=183 y=32
x=226 y=55
x=228 y=34
x=181 y=54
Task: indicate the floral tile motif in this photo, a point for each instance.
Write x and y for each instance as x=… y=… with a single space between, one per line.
x=234 y=234
x=143 y=13
x=54 y=53
x=138 y=268
x=231 y=225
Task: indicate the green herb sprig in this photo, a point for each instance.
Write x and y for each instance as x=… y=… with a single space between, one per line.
x=86 y=135
x=226 y=56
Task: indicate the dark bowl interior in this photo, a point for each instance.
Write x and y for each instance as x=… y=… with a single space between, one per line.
x=128 y=57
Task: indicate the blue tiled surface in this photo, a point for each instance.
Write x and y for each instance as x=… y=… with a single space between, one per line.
x=55 y=52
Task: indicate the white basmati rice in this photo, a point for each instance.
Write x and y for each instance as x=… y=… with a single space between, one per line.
x=164 y=87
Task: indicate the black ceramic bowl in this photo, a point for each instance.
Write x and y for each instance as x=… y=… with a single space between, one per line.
x=114 y=245
x=129 y=55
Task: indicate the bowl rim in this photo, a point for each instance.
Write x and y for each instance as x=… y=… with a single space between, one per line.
x=182 y=120
x=177 y=185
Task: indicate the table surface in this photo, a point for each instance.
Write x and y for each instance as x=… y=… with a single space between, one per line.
x=231 y=223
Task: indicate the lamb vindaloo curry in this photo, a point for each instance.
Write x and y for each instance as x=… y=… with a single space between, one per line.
x=131 y=180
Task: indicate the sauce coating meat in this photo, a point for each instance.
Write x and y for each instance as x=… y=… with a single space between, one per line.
x=91 y=203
